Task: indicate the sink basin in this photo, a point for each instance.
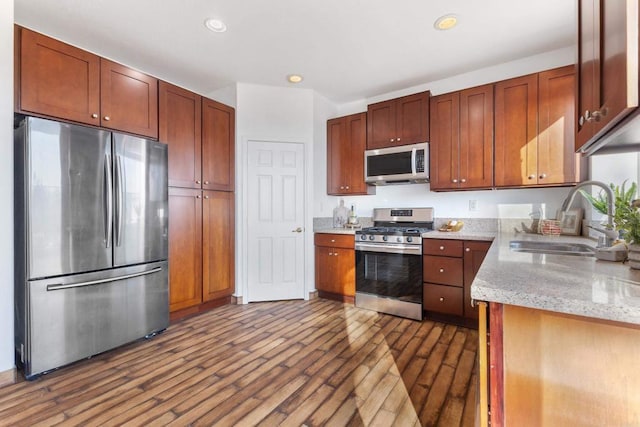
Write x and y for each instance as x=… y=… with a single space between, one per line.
x=556 y=248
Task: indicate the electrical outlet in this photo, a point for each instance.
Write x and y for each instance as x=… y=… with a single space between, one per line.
x=473 y=205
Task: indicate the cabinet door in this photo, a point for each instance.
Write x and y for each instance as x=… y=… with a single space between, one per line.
x=218 y=146
x=218 y=254
x=445 y=140
x=345 y=272
x=412 y=119
x=325 y=267
x=608 y=58
x=353 y=167
x=58 y=80
x=128 y=100
x=516 y=119
x=185 y=248
x=589 y=71
x=180 y=123
x=474 y=253
x=381 y=124
x=338 y=151
x=476 y=137
x=557 y=162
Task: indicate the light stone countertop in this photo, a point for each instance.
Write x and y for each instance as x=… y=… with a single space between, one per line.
x=335 y=230
x=578 y=285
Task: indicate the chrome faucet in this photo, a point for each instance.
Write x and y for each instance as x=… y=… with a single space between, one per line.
x=610 y=232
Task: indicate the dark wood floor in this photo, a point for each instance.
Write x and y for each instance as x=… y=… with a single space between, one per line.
x=289 y=363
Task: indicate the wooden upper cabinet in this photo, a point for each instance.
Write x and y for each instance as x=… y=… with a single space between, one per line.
x=218 y=253
x=346 y=143
x=557 y=161
x=462 y=139
x=608 y=66
x=534 y=141
x=129 y=100
x=444 y=141
x=185 y=248
x=64 y=82
x=516 y=131
x=476 y=137
x=399 y=121
x=218 y=146
x=57 y=79
x=180 y=124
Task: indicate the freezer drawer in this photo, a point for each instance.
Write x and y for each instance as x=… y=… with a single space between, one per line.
x=74 y=317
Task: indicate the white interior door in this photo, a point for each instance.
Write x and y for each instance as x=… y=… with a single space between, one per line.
x=275 y=221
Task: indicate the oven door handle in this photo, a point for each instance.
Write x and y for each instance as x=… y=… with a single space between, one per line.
x=390 y=249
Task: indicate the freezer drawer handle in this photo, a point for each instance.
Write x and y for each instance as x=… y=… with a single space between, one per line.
x=97 y=282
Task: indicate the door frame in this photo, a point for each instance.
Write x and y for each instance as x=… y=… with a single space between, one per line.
x=242 y=223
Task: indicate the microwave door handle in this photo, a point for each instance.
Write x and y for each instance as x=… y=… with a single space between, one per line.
x=413 y=161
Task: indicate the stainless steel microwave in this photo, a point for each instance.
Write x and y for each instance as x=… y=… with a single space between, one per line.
x=397 y=165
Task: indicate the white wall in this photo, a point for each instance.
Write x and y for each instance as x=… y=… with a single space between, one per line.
x=273 y=114
x=491 y=203
x=6 y=186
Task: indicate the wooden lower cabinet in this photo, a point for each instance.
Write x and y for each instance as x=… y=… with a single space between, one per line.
x=335 y=260
x=201 y=248
x=547 y=368
x=448 y=269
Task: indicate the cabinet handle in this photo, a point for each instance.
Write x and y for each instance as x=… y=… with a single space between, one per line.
x=463 y=180
x=531 y=176
x=442 y=248
x=107 y=118
x=346 y=187
x=455 y=181
x=442 y=270
x=330 y=253
x=206 y=182
x=581 y=120
x=398 y=139
x=333 y=240
x=392 y=139
x=94 y=116
x=342 y=187
x=543 y=176
x=197 y=182
x=206 y=197
x=198 y=196
x=467 y=249
x=596 y=116
x=441 y=299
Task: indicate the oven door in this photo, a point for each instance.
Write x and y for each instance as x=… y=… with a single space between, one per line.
x=389 y=282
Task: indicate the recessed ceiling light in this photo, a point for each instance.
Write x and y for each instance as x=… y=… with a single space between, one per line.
x=215 y=25
x=446 y=22
x=294 y=78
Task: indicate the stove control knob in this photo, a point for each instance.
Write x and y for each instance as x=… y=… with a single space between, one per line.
x=409 y=239
x=399 y=239
x=371 y=237
x=385 y=238
x=363 y=237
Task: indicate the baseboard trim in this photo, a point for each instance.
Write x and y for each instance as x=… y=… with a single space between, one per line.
x=200 y=308
x=8 y=377
x=313 y=295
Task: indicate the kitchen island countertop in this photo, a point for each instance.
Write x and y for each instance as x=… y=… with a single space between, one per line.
x=578 y=285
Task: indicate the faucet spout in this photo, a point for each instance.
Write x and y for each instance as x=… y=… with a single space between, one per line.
x=610 y=229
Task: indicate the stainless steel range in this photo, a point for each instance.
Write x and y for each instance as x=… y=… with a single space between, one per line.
x=389 y=261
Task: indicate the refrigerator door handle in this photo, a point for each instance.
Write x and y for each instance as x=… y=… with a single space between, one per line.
x=109 y=205
x=119 y=199
x=97 y=282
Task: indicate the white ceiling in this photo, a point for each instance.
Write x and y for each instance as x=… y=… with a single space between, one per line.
x=346 y=50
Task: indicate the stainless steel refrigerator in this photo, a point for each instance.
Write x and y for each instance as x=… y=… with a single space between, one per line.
x=91 y=242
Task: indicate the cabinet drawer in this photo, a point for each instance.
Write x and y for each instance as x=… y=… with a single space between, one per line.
x=442 y=299
x=346 y=241
x=442 y=270
x=442 y=247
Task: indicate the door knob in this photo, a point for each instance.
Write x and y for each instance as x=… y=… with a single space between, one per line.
x=297 y=230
